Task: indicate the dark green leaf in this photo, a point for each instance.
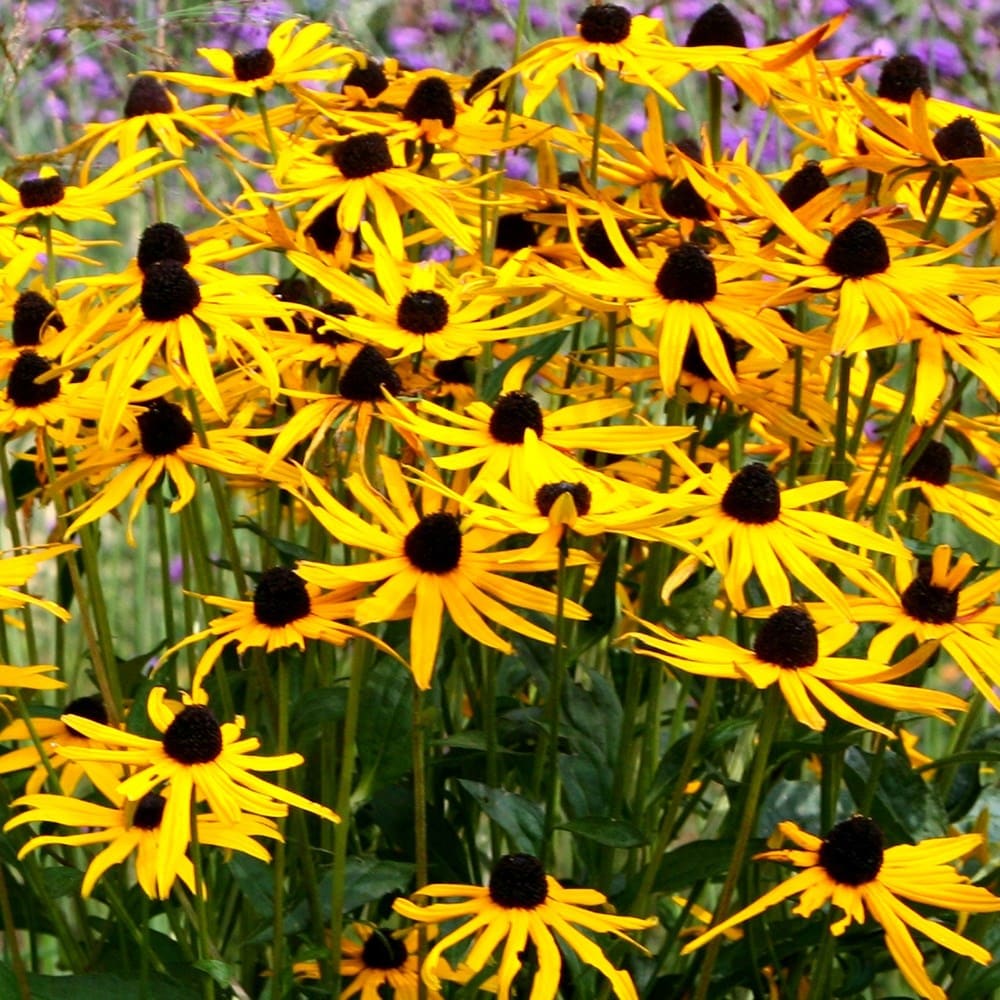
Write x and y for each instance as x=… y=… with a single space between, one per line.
x=61 y=881
x=283 y=547
x=905 y=806
x=606 y=831
x=695 y=862
x=100 y=986
x=385 y=726
x=520 y=819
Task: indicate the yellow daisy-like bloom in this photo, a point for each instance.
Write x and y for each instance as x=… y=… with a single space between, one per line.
x=151 y=110
x=185 y=323
x=429 y=564
x=746 y=524
x=54 y=734
x=515 y=432
x=290 y=57
x=38 y=394
x=788 y=651
x=632 y=45
x=198 y=759
x=929 y=603
x=162 y=442
x=134 y=829
x=522 y=903
x=428 y=310
x=681 y=293
x=47 y=196
x=377 y=957
x=364 y=173
x=862 y=268
x=852 y=868
x=285 y=611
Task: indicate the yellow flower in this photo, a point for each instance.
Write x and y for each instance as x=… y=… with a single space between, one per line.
x=746 y=524
x=630 y=44
x=788 y=651
x=198 y=759
x=47 y=196
x=54 y=735
x=289 y=58
x=385 y=959
x=16 y=570
x=522 y=903
x=427 y=309
x=285 y=611
x=851 y=868
x=134 y=829
x=930 y=604
x=428 y=563
x=515 y=433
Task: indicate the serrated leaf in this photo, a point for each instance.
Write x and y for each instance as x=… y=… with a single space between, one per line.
x=520 y=819
x=606 y=831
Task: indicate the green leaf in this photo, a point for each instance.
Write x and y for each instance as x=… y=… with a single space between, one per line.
x=385 y=726
x=61 y=881
x=369 y=879
x=101 y=986
x=602 y=599
x=289 y=550
x=222 y=973
x=539 y=350
x=697 y=862
x=317 y=710
x=520 y=819
x=606 y=831
x=905 y=806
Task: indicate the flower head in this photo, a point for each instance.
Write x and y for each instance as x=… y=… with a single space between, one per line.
x=523 y=903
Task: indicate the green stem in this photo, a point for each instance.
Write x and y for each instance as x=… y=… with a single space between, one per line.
x=201 y=910
x=706 y=710
x=280 y=851
x=352 y=711
x=547 y=760
x=945 y=181
x=715 y=114
x=599 y=101
x=770 y=721
x=419 y=754
x=10 y=937
x=268 y=131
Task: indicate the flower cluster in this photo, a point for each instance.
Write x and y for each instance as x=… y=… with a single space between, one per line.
x=541 y=492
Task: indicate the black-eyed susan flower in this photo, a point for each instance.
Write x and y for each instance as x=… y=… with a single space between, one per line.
x=365 y=174
x=39 y=394
x=790 y=652
x=930 y=603
x=53 y=735
x=494 y=437
x=285 y=611
x=31 y=678
x=158 y=440
x=133 y=828
x=151 y=110
x=852 y=868
x=428 y=310
x=632 y=45
x=47 y=196
x=680 y=294
x=745 y=523
x=198 y=760
x=377 y=959
x=521 y=904
x=294 y=53
x=864 y=269
x=187 y=325
x=429 y=563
